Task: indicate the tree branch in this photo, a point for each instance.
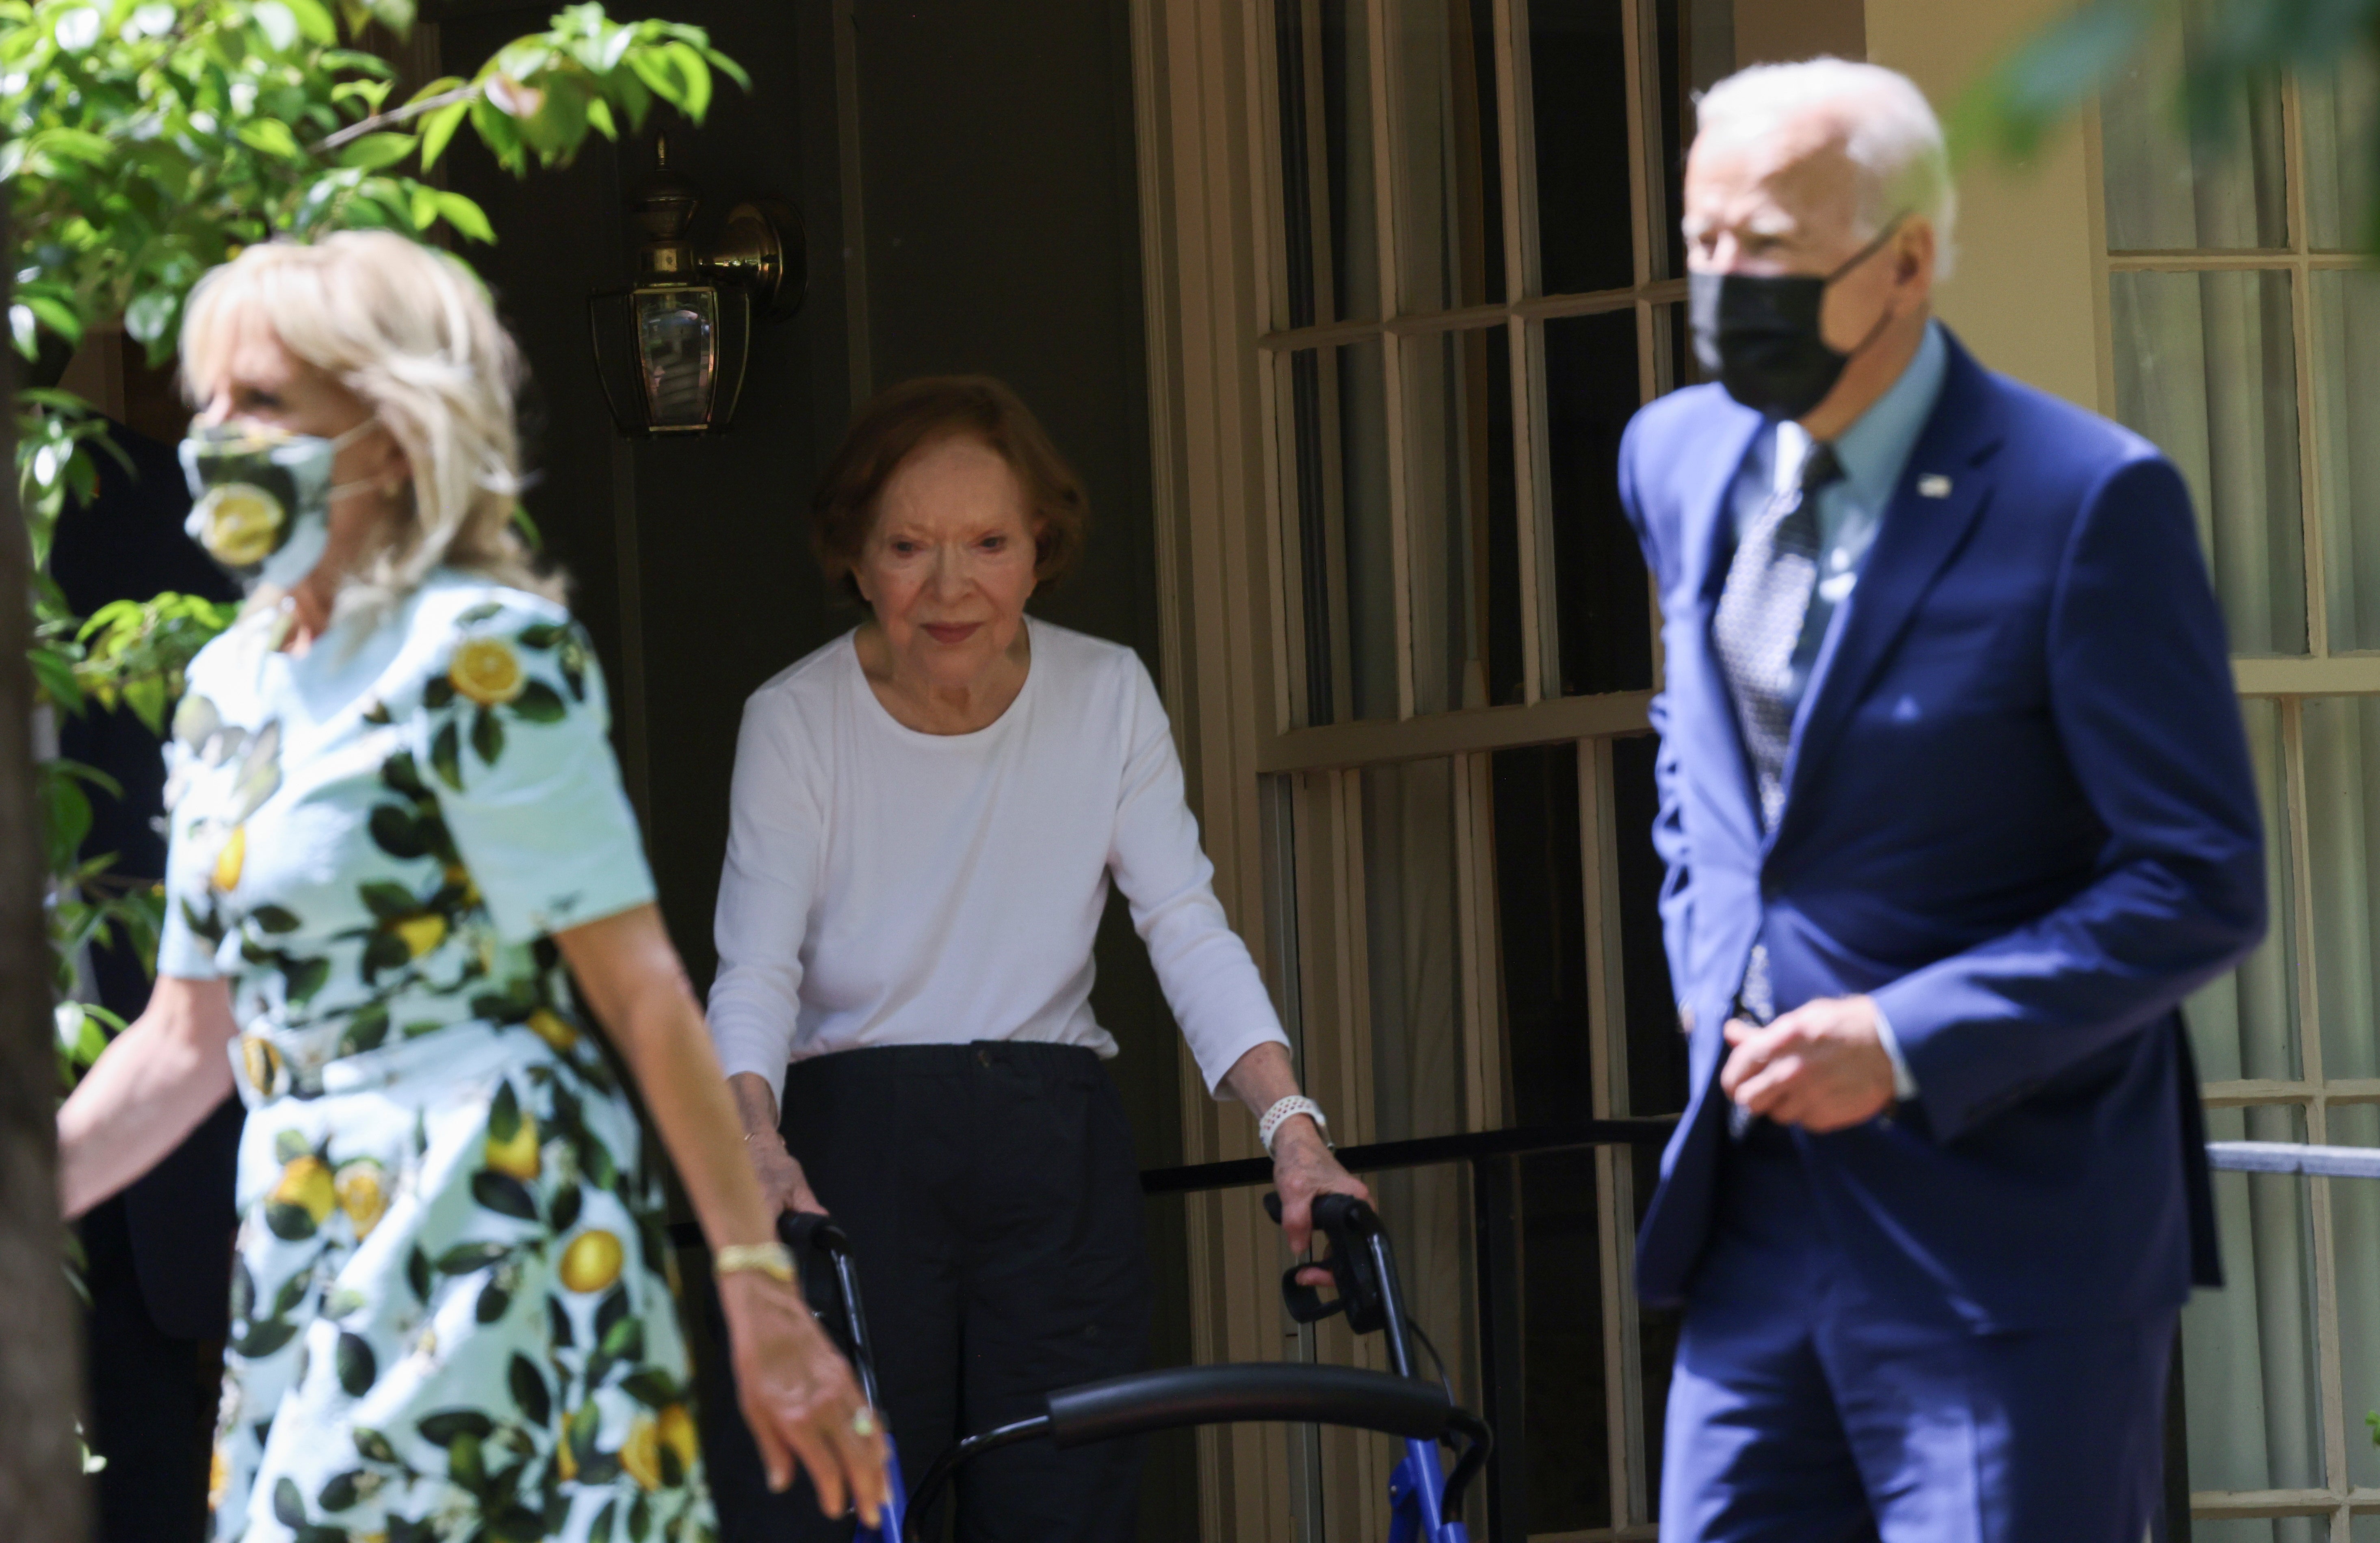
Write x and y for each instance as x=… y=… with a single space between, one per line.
x=390 y=119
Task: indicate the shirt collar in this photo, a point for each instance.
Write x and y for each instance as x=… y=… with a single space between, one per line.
x=1875 y=448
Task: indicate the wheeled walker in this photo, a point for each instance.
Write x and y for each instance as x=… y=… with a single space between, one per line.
x=1364 y=1273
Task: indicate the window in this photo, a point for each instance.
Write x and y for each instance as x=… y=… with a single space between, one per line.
x=2244 y=338
x=1476 y=279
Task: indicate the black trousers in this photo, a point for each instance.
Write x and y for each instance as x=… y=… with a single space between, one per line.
x=994 y=1210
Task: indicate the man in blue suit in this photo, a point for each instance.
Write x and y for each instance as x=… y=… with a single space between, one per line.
x=1957 y=809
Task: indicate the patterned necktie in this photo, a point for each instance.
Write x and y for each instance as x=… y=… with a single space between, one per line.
x=1758 y=627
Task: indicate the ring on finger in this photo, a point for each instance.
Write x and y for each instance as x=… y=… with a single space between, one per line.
x=863 y=1424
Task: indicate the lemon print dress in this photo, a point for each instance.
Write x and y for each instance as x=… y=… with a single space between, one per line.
x=451 y=1312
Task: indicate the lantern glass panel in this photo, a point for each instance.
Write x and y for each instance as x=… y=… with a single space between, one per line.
x=677 y=352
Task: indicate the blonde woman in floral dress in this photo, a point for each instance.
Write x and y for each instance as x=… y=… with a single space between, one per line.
x=397 y=833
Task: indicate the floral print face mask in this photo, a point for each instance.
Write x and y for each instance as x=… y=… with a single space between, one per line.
x=263 y=494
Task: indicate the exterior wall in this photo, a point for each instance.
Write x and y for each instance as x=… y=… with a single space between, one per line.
x=2024 y=296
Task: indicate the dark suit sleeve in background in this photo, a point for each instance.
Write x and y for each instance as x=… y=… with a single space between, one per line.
x=2140 y=691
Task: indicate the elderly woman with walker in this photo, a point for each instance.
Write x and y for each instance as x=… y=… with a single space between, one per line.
x=927 y=815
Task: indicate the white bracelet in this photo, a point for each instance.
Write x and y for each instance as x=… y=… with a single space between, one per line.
x=1289 y=1109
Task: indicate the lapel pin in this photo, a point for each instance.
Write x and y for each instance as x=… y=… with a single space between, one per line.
x=1933 y=485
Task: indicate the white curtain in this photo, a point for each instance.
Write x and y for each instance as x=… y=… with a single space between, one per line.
x=2339 y=110
x=2206 y=362
x=2248 y=1350
x=2205 y=366
x=2347 y=410
x=1414 y=977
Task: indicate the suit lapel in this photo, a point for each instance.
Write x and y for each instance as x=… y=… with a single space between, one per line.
x=1921 y=533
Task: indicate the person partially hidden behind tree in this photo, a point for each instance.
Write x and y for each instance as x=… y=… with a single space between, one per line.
x=396 y=831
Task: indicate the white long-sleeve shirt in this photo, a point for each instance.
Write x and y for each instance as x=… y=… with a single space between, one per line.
x=888 y=887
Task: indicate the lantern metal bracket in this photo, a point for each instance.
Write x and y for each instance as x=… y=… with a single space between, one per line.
x=754 y=271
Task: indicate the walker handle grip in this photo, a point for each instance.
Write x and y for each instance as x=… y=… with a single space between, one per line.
x=1349 y=1224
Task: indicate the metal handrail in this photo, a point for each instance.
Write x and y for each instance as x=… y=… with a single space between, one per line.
x=2288 y=1157
x=1424 y=1151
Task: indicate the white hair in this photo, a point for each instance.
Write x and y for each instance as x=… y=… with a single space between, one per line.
x=1889 y=132
x=408 y=329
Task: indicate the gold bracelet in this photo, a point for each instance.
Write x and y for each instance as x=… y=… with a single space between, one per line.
x=772 y=1259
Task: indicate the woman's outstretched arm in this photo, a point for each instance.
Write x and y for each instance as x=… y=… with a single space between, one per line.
x=150 y=1090
x=799 y=1395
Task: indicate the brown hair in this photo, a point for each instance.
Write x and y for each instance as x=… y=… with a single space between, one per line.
x=914 y=414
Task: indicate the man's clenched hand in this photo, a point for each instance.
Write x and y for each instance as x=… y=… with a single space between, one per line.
x=1822 y=1066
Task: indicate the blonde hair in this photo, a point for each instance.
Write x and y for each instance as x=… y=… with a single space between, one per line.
x=1890 y=133
x=408 y=329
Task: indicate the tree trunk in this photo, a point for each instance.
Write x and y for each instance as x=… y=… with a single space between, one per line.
x=42 y=1497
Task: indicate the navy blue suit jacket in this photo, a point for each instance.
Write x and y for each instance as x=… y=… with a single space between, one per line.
x=2020 y=814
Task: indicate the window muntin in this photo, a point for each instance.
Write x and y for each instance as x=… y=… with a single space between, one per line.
x=1477 y=287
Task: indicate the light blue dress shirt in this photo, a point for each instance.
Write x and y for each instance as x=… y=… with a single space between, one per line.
x=1874 y=453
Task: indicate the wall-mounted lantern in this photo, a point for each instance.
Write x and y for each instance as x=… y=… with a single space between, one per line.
x=671 y=350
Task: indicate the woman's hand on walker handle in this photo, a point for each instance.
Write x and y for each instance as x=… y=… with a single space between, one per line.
x=799 y=1397
x=1304 y=1170
x=1303 y=1167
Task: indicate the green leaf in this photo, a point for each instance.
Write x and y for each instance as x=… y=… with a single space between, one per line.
x=611 y=1313
x=288 y=1146
x=465 y=1259
x=54 y=314
x=540 y=703
x=625 y=1341
x=494 y=1300
x=417 y=1272
x=467 y=217
x=445 y=756
x=289 y=1505
x=372 y=1446
x=504 y=1114
x=487 y=735
x=315 y=20
x=584 y=1425
x=273 y=918
x=265 y=1338
x=529 y=1390
x=270 y=135
x=358 y=1369
x=503 y=1194
x=377 y=152
x=442 y=1429
x=385 y=951
x=301 y=978
x=652 y=1387
x=340 y=1492
x=437 y=128
x=389 y=902
x=365 y=1032
x=395 y=831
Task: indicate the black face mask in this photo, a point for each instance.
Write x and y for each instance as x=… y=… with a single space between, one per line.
x=1759 y=334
